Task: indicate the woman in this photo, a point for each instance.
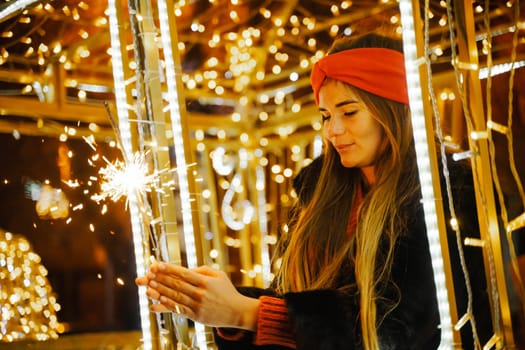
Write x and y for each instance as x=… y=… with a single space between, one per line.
x=356 y=271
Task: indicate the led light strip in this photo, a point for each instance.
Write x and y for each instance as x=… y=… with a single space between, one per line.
x=500 y=69
x=318 y=146
x=10 y=9
x=425 y=174
x=263 y=225
x=178 y=137
x=125 y=138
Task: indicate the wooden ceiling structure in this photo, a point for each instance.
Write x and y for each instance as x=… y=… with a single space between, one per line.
x=244 y=63
x=56 y=69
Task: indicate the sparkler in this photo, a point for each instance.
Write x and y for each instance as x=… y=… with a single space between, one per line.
x=134 y=178
x=121 y=178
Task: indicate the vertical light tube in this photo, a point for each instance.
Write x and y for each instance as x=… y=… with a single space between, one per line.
x=119 y=81
x=425 y=174
x=263 y=225
x=178 y=139
x=125 y=138
x=318 y=146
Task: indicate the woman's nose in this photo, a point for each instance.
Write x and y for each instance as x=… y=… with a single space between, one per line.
x=335 y=127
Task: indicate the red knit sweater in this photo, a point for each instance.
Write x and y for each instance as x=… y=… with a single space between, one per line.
x=273 y=326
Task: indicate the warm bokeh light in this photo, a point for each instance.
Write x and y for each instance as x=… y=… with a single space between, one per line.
x=28 y=304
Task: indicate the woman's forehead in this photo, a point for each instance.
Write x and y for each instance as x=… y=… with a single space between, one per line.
x=335 y=91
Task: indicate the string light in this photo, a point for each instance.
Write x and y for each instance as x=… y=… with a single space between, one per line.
x=516 y=224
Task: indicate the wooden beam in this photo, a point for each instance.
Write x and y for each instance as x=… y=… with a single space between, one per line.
x=68 y=111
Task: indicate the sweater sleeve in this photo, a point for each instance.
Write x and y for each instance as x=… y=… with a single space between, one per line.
x=273 y=325
x=273 y=329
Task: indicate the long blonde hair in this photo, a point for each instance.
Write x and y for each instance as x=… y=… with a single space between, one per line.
x=318 y=246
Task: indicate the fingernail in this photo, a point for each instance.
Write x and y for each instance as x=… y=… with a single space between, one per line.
x=153 y=284
x=162 y=266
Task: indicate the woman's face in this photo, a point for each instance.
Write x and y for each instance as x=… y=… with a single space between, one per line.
x=350 y=126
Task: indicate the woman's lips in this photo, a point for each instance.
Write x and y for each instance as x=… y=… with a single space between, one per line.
x=343 y=147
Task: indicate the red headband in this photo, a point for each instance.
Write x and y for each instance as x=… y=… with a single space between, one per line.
x=376 y=70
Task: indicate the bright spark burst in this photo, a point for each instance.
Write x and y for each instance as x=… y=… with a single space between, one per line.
x=120 y=179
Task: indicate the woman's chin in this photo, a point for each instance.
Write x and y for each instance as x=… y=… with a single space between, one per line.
x=347 y=164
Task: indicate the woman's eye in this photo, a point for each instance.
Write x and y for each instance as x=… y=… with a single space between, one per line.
x=348 y=114
x=325 y=117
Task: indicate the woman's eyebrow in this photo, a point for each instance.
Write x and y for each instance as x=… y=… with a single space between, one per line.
x=340 y=104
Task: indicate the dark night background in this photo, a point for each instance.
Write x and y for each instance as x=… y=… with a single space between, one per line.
x=85 y=267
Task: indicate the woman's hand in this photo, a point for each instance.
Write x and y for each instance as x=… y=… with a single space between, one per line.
x=203 y=294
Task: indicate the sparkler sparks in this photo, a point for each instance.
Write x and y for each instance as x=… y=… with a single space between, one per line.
x=120 y=179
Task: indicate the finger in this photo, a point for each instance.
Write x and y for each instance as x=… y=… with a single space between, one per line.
x=207 y=271
x=181 y=272
x=153 y=294
x=159 y=308
x=154 y=267
x=171 y=284
x=141 y=281
x=161 y=304
x=179 y=309
x=185 y=296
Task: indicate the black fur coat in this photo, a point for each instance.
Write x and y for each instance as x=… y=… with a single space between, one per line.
x=329 y=319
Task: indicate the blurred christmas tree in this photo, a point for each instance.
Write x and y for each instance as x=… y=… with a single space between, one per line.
x=27 y=304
